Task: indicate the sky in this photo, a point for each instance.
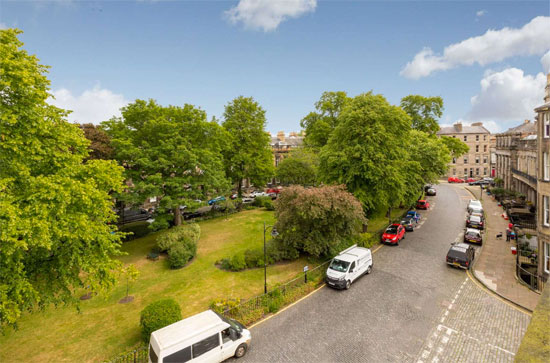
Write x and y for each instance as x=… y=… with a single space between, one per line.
x=487 y=60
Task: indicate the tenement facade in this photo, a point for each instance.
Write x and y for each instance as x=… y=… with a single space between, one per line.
x=508 y=168
x=476 y=163
x=543 y=185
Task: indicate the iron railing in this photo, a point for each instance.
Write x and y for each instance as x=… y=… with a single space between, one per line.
x=532 y=179
x=532 y=280
x=138 y=355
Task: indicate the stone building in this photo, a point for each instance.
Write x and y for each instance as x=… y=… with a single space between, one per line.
x=476 y=163
x=493 y=155
x=508 y=145
x=281 y=145
x=543 y=185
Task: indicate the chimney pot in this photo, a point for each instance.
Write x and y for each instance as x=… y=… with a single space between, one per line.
x=458 y=126
x=281 y=136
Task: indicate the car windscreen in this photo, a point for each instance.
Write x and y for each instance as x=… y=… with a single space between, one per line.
x=234 y=323
x=339 y=265
x=391 y=230
x=457 y=253
x=421 y=202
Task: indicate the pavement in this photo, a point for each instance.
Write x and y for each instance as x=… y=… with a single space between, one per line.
x=413 y=307
x=496 y=265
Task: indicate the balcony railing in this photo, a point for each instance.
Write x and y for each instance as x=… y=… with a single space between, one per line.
x=531 y=178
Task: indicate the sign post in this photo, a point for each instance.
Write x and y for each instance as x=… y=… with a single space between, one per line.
x=306 y=269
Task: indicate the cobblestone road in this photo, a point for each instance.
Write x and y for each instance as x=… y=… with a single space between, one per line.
x=412 y=308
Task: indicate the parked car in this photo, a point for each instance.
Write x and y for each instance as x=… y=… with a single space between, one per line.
x=473 y=235
x=258 y=194
x=234 y=196
x=273 y=195
x=216 y=200
x=454 y=179
x=408 y=223
x=474 y=203
x=470 y=180
x=431 y=192
x=273 y=190
x=427 y=186
x=204 y=337
x=414 y=214
x=248 y=200
x=460 y=255
x=474 y=222
x=348 y=266
x=478 y=214
x=422 y=204
x=393 y=234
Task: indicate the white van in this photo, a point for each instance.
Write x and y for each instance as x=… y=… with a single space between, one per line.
x=205 y=337
x=348 y=266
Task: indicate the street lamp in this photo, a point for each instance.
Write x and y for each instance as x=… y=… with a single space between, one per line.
x=274 y=233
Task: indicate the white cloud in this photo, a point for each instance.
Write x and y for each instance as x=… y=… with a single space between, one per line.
x=493 y=46
x=545 y=60
x=268 y=14
x=92 y=106
x=480 y=13
x=509 y=95
x=3 y=26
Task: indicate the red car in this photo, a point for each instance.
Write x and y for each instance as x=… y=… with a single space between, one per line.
x=453 y=179
x=422 y=204
x=273 y=190
x=393 y=234
x=470 y=180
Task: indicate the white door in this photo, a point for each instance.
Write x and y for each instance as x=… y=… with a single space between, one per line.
x=353 y=271
x=228 y=345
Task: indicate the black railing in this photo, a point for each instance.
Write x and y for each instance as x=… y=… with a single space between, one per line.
x=138 y=355
x=533 y=280
x=532 y=179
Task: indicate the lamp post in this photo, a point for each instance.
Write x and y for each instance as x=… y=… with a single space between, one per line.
x=274 y=233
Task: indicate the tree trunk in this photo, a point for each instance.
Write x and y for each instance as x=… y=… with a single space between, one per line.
x=240 y=188
x=177 y=216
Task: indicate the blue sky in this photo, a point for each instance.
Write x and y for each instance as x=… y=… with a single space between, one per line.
x=104 y=54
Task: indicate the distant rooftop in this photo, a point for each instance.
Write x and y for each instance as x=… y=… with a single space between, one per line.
x=458 y=128
x=292 y=140
x=527 y=127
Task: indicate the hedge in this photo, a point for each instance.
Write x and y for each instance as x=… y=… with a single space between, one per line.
x=157 y=315
x=180 y=243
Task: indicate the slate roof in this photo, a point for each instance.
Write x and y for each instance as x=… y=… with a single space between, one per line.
x=526 y=128
x=292 y=141
x=449 y=130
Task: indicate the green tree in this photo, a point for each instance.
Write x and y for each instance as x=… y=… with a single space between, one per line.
x=431 y=153
x=455 y=146
x=172 y=153
x=55 y=207
x=424 y=112
x=318 y=221
x=366 y=153
x=301 y=167
x=100 y=143
x=320 y=124
x=248 y=155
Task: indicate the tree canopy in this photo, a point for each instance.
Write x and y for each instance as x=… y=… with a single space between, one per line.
x=424 y=112
x=320 y=124
x=55 y=207
x=248 y=154
x=365 y=152
x=300 y=167
x=455 y=146
x=100 y=143
x=318 y=221
x=172 y=153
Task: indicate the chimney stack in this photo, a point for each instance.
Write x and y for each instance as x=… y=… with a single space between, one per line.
x=292 y=134
x=458 y=126
x=477 y=124
x=281 y=136
x=526 y=121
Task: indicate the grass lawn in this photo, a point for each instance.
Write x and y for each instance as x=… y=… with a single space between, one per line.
x=105 y=328
x=381 y=221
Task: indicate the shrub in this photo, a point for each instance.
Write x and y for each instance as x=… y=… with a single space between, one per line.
x=221 y=305
x=366 y=240
x=166 y=241
x=237 y=262
x=254 y=258
x=157 y=315
x=264 y=202
x=180 y=254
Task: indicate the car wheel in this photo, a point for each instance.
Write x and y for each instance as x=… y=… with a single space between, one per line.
x=240 y=351
x=369 y=269
x=348 y=284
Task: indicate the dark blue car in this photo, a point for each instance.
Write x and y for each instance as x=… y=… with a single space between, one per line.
x=215 y=200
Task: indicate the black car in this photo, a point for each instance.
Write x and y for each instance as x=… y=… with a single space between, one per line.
x=408 y=223
x=473 y=235
x=461 y=255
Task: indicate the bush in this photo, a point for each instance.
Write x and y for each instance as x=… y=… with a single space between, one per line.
x=221 y=305
x=180 y=243
x=180 y=254
x=157 y=315
x=367 y=240
x=237 y=262
x=264 y=202
x=254 y=258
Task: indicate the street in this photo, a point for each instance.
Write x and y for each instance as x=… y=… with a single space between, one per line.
x=412 y=307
